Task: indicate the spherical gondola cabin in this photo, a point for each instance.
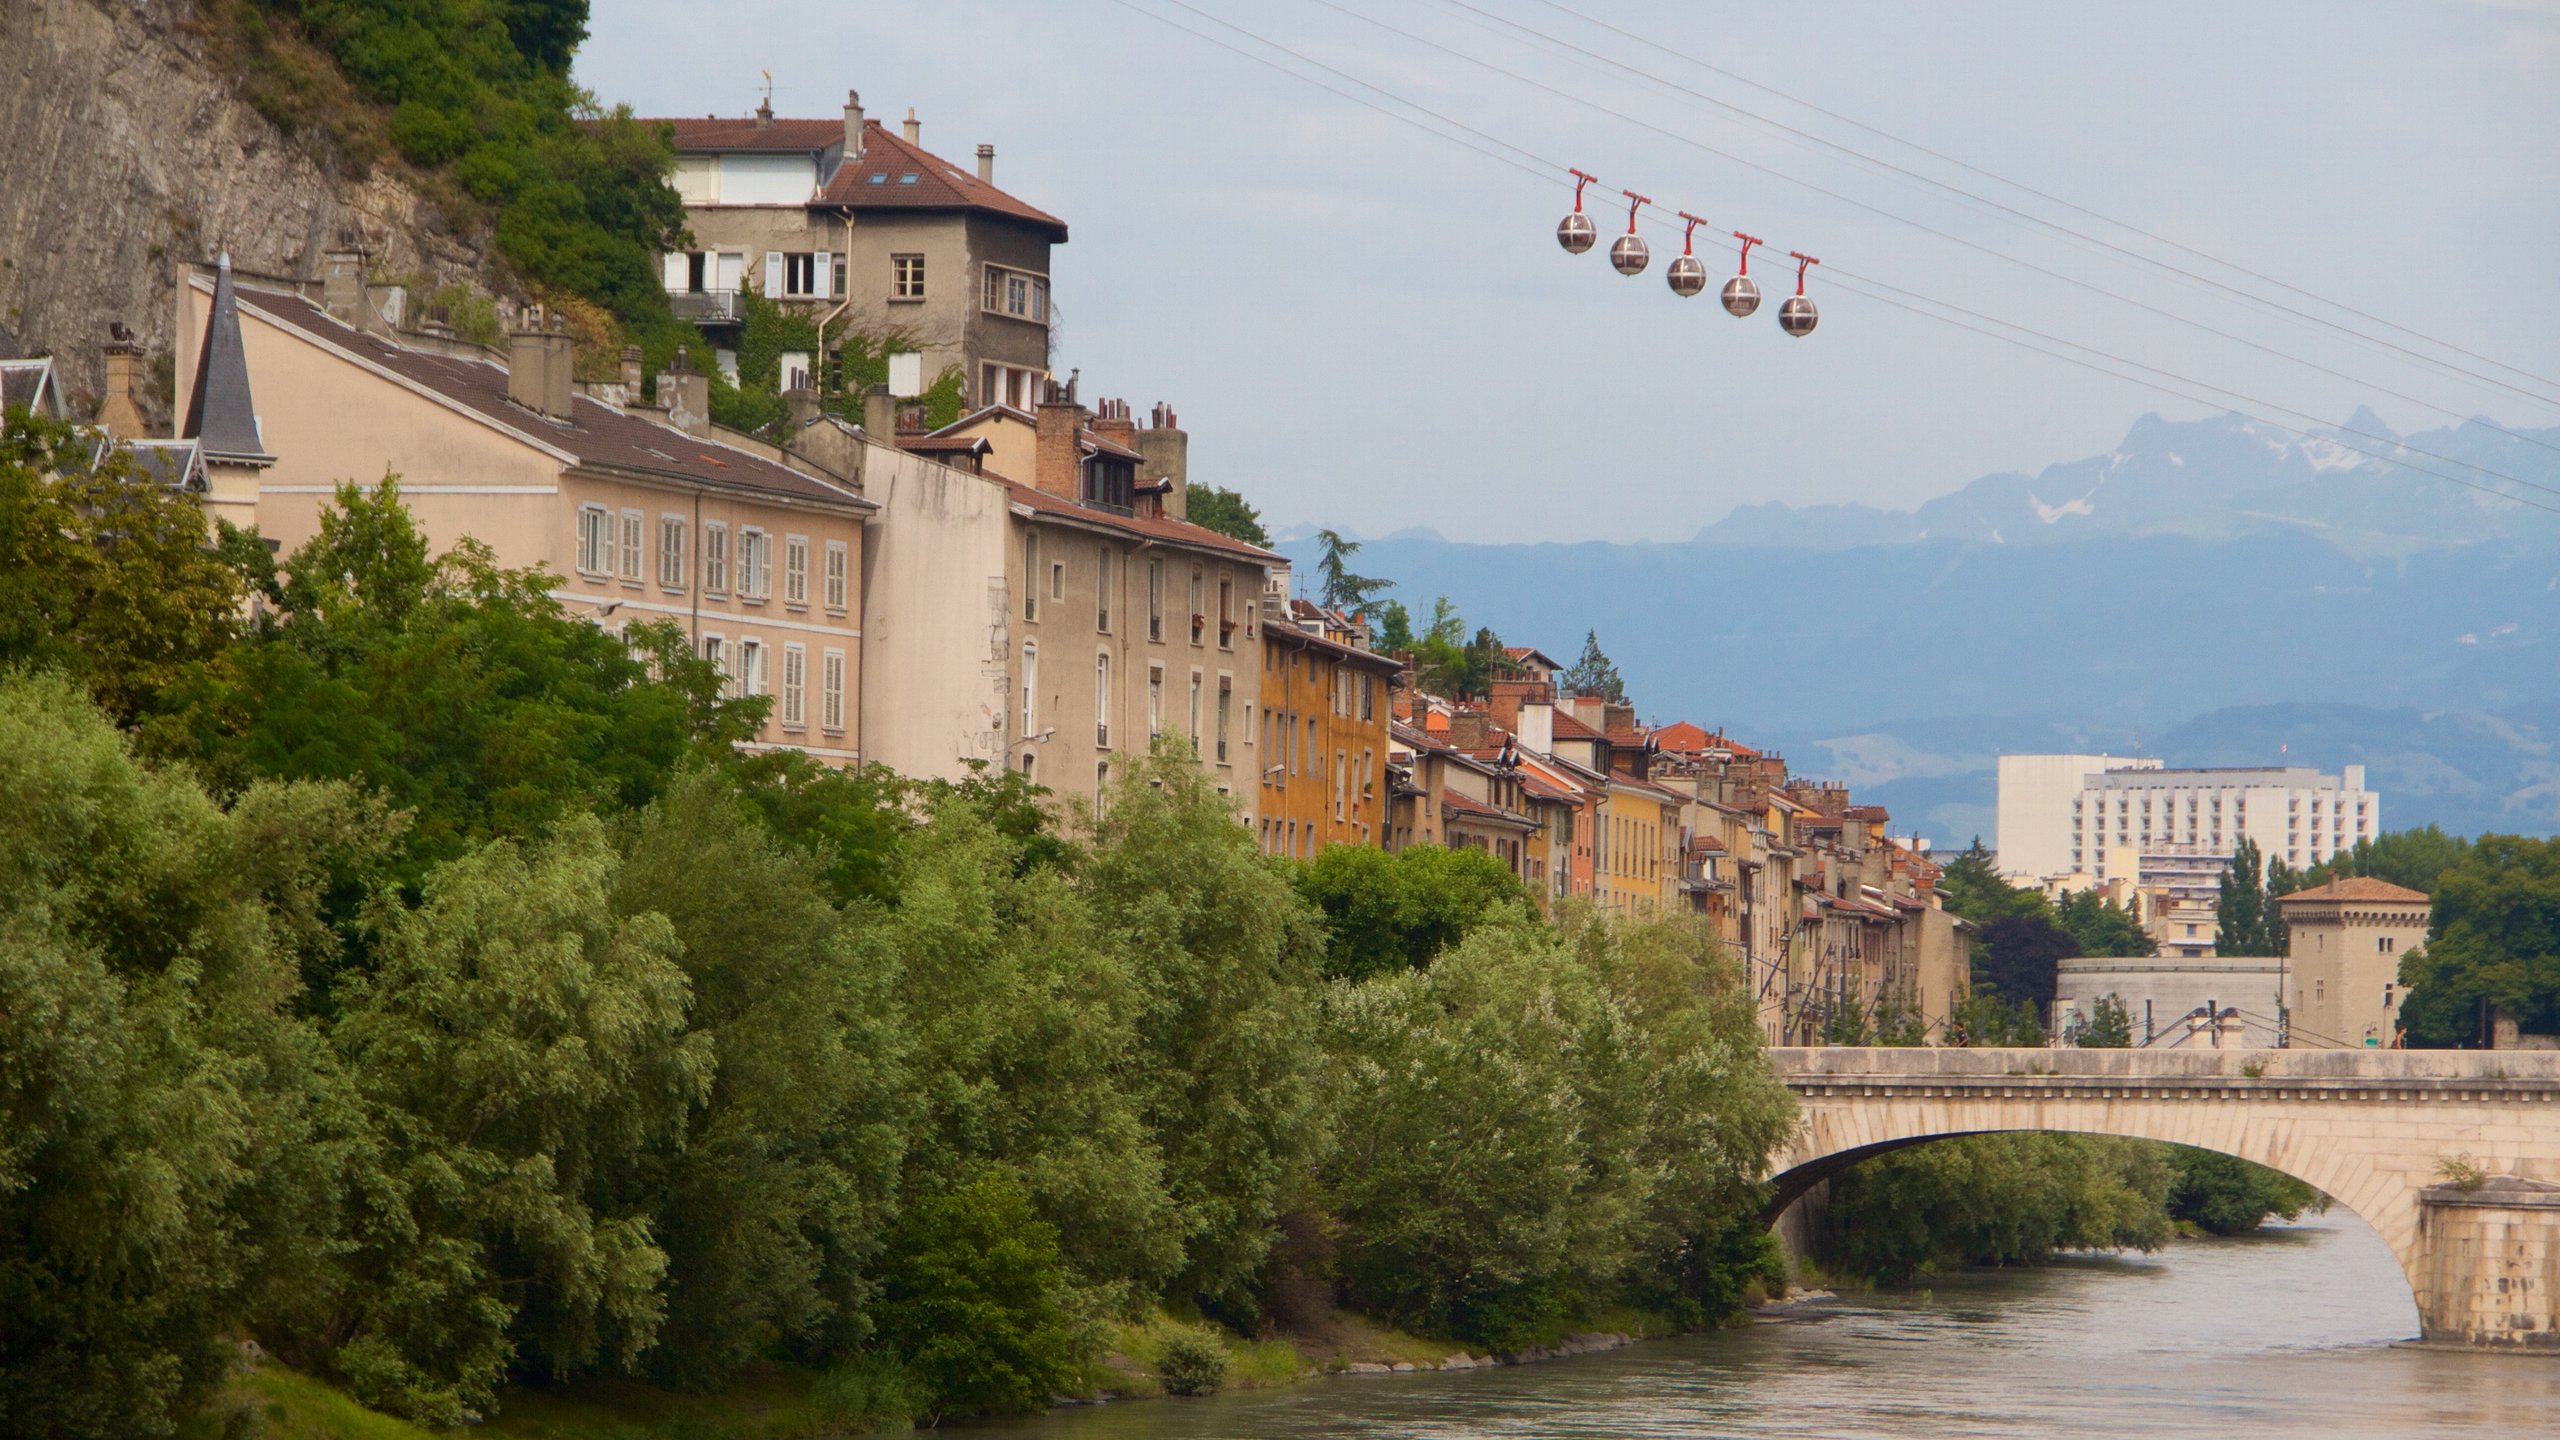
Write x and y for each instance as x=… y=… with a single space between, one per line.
x=1797 y=316
x=1629 y=254
x=1576 y=233
x=1741 y=295
x=1686 y=276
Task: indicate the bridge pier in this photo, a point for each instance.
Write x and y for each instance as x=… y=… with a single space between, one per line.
x=2453 y=1157
x=2491 y=1273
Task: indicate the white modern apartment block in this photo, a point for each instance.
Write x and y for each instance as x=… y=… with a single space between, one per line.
x=2035 y=816
x=2295 y=814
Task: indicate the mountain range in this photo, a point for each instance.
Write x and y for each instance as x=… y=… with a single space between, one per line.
x=2210 y=591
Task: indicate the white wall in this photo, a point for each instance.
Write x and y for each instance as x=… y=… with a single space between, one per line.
x=786 y=179
x=2034 y=814
x=936 y=632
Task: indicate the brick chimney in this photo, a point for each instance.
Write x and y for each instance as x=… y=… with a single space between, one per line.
x=538 y=363
x=1168 y=452
x=1509 y=695
x=852 y=126
x=1471 y=730
x=1058 y=462
x=986 y=164
x=1112 y=421
x=685 y=394
x=914 y=127
x=120 y=411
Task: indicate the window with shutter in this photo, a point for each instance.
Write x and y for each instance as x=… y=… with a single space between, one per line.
x=594 y=545
x=773 y=274
x=831 y=692
x=671 y=552
x=839 y=561
x=795 y=571
x=715 y=558
x=795 y=678
x=634 y=527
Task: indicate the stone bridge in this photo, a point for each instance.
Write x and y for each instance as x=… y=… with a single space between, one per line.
x=2452 y=1156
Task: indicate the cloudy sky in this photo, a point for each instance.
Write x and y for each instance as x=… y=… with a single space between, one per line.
x=1367 y=326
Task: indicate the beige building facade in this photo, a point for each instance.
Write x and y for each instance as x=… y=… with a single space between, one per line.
x=2342 y=959
x=754 y=553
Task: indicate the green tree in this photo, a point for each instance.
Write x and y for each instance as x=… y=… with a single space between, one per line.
x=1343 y=589
x=1593 y=673
x=2010 y=1199
x=2020 y=957
x=2108 y=1027
x=1985 y=1017
x=104 y=573
x=2244 y=922
x=457 y=690
x=772 y=1198
x=521 y=1047
x=168 y=1119
x=2101 y=927
x=1394 y=634
x=974 y=1299
x=1973 y=889
x=1226 y=512
x=1223 y=956
x=2493 y=946
x=2226 y=1195
x=1386 y=911
x=2417 y=859
x=1023 y=1044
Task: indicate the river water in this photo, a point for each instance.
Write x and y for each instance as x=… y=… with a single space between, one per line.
x=2288 y=1333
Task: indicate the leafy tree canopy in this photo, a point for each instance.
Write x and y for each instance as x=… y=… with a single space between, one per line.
x=1226 y=512
x=2494 y=945
x=1385 y=912
x=1343 y=589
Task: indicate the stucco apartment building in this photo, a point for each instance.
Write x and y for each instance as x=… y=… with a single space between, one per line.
x=645 y=513
x=1057 y=621
x=1326 y=710
x=866 y=231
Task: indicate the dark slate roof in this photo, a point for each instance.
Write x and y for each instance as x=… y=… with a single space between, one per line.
x=596 y=434
x=220 y=411
x=28 y=385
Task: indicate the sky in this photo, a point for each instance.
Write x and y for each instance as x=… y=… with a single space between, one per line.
x=1367 y=326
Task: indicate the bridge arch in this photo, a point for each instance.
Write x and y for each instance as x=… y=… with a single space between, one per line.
x=2371 y=1129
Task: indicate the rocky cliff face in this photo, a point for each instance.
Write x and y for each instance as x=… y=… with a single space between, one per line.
x=125 y=151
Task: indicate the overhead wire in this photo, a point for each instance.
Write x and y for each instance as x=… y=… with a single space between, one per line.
x=2047 y=197
x=1545 y=170
x=2119 y=297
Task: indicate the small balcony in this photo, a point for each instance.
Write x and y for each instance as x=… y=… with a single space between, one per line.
x=705 y=307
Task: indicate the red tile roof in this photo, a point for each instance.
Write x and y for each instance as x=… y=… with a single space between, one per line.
x=595 y=433
x=938 y=184
x=2358 y=887
x=1180 y=532
x=723 y=132
x=1451 y=802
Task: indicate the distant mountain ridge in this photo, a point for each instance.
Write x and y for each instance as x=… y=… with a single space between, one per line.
x=2216 y=479
x=2207 y=591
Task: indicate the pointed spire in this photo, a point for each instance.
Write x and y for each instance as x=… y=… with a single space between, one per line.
x=220 y=412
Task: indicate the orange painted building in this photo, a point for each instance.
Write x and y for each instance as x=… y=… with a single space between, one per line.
x=1325 y=711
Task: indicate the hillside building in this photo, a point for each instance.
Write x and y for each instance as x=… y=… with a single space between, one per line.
x=865 y=231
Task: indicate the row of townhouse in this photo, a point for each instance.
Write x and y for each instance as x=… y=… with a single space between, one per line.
x=1833 y=917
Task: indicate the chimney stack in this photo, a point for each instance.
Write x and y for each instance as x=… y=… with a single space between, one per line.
x=852 y=126
x=1057 y=464
x=631 y=375
x=880 y=416
x=986 y=164
x=342 y=282
x=800 y=404
x=915 y=127
x=685 y=394
x=1168 y=452
x=1112 y=421
x=764 y=113
x=538 y=364
x=120 y=413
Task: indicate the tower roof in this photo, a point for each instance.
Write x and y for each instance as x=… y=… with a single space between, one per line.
x=220 y=412
x=2357 y=887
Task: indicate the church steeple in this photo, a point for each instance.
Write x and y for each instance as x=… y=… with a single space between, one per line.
x=221 y=415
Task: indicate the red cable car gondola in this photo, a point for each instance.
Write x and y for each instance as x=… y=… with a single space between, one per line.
x=1628 y=251
x=1575 y=232
x=1686 y=276
x=1742 y=293
x=1797 y=316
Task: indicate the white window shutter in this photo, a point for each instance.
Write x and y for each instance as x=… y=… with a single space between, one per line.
x=822 y=275
x=773 y=274
x=678 y=272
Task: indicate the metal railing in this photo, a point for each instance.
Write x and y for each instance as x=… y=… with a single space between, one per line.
x=705 y=307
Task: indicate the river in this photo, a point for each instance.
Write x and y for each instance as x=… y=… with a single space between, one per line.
x=2286 y=1333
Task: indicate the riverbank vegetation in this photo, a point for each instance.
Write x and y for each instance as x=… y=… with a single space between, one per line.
x=414 y=983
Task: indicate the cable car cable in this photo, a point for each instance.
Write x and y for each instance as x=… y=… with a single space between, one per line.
x=1541 y=170
x=1694 y=143
x=2022 y=186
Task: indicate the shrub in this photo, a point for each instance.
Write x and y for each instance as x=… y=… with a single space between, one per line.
x=1192 y=1361
x=974 y=1300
